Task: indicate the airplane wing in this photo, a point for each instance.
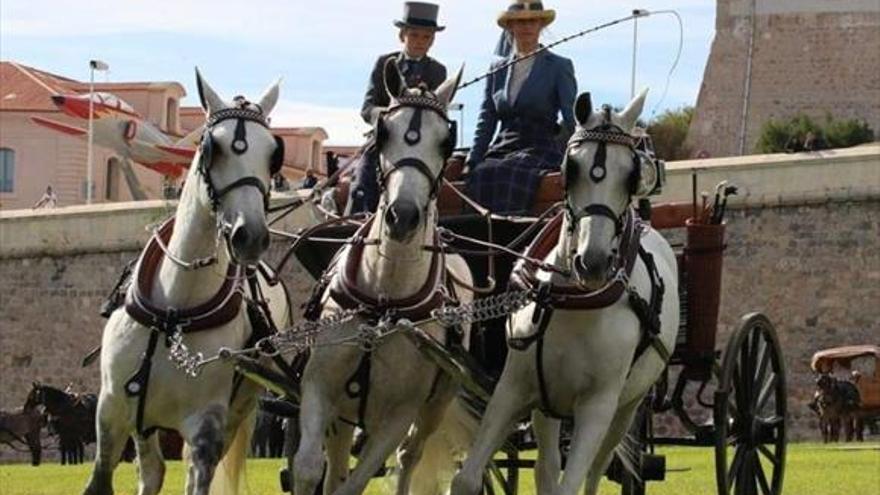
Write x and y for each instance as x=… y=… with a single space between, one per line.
x=60 y=126
x=170 y=159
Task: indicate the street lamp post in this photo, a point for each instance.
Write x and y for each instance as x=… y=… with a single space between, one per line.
x=460 y=108
x=93 y=66
x=636 y=14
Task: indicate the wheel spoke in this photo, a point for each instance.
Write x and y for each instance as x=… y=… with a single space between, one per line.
x=745 y=370
x=770 y=456
x=761 y=374
x=766 y=392
x=735 y=467
x=762 y=477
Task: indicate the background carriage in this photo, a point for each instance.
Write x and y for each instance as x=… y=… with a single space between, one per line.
x=850 y=402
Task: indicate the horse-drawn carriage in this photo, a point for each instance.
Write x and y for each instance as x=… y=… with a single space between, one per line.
x=743 y=386
x=850 y=402
x=394 y=331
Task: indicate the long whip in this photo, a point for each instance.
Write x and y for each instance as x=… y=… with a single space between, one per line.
x=554 y=44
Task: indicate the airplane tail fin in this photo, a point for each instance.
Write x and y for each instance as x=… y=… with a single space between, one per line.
x=192 y=139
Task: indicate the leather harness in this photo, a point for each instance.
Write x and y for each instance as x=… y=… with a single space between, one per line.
x=220 y=309
x=549 y=297
x=340 y=282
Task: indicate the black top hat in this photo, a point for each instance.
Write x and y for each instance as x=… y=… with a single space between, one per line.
x=420 y=15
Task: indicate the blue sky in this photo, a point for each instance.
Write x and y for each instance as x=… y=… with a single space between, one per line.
x=324 y=50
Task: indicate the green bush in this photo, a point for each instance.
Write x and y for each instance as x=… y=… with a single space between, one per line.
x=845 y=133
x=778 y=135
x=668 y=132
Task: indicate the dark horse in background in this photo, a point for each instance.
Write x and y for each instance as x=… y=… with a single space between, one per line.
x=23 y=427
x=70 y=416
x=837 y=403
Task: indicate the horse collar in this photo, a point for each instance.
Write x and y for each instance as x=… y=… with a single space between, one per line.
x=217 y=311
x=572 y=296
x=345 y=291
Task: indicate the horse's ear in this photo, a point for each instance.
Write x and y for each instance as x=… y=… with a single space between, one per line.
x=628 y=117
x=583 y=108
x=270 y=97
x=446 y=91
x=211 y=101
x=393 y=79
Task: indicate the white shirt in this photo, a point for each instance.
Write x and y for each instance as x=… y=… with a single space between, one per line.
x=519 y=73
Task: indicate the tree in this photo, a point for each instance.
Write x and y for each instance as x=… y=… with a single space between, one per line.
x=669 y=131
x=778 y=136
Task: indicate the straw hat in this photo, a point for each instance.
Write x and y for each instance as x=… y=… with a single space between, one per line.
x=419 y=15
x=526 y=9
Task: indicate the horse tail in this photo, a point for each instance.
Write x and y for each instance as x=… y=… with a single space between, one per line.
x=445 y=448
x=229 y=478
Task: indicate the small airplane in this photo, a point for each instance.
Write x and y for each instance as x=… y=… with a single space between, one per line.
x=119 y=127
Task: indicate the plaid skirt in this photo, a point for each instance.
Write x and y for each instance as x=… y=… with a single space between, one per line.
x=508 y=183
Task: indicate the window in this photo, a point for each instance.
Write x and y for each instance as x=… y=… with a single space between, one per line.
x=7 y=170
x=111 y=192
x=171 y=115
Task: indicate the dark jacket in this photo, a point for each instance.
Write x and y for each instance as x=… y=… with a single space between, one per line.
x=426 y=70
x=531 y=122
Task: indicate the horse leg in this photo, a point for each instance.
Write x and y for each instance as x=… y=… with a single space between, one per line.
x=36 y=448
x=308 y=462
x=429 y=418
x=508 y=404
x=205 y=433
x=860 y=428
x=549 y=462
x=592 y=419
x=80 y=450
x=112 y=433
x=378 y=447
x=338 y=442
x=150 y=464
x=619 y=427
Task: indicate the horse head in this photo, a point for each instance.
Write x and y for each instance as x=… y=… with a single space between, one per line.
x=414 y=138
x=34 y=397
x=602 y=173
x=237 y=157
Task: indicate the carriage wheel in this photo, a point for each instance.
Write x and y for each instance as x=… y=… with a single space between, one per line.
x=494 y=478
x=750 y=409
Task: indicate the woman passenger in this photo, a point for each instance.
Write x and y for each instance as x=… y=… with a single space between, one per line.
x=526 y=99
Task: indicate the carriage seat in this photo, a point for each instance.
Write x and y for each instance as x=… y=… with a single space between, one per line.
x=449 y=203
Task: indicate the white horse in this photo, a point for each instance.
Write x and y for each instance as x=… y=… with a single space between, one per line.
x=572 y=361
x=192 y=281
x=394 y=386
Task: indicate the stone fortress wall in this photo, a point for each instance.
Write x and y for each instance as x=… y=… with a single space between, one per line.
x=773 y=59
x=802 y=248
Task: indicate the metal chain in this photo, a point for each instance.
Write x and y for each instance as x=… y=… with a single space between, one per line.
x=484 y=309
x=183 y=359
x=305 y=334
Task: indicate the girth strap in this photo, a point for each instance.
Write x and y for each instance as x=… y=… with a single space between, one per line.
x=136 y=386
x=648 y=312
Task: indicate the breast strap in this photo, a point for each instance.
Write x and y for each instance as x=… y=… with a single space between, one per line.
x=345 y=291
x=571 y=296
x=222 y=308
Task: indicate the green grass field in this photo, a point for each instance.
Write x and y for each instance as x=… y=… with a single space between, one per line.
x=812 y=469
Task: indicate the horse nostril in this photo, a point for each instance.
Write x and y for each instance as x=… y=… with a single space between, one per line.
x=391 y=215
x=579 y=265
x=240 y=237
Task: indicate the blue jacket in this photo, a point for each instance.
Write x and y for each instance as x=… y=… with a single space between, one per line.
x=531 y=122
